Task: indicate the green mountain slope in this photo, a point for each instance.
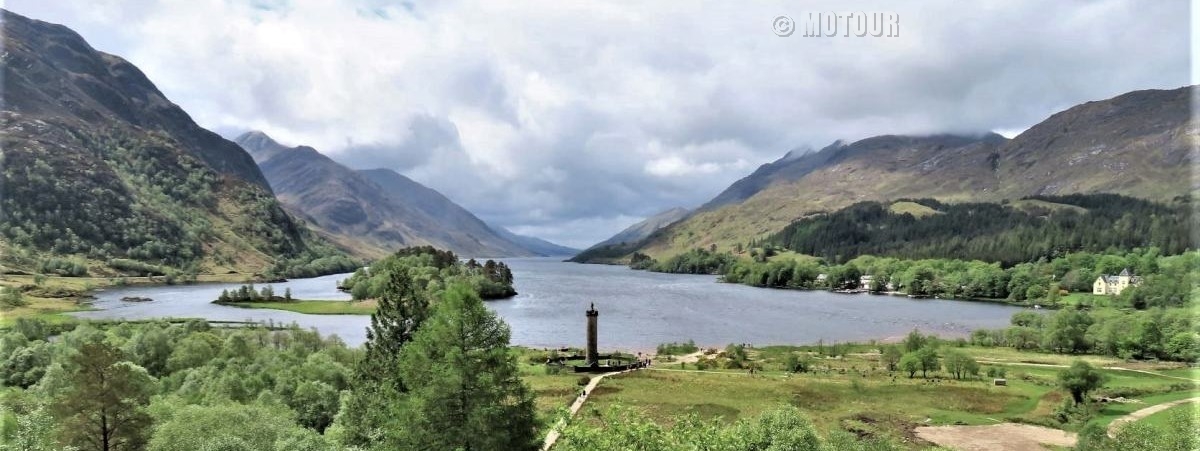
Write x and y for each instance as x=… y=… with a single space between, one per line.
x=99 y=167
x=1135 y=144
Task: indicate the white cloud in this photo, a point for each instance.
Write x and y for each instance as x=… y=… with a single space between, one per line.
x=568 y=118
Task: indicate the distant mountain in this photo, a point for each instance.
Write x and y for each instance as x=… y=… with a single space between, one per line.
x=374 y=212
x=100 y=167
x=619 y=245
x=536 y=245
x=1135 y=144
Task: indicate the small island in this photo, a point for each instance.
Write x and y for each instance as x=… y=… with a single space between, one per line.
x=247 y=296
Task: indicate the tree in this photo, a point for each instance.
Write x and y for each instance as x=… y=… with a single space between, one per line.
x=891 y=357
x=1080 y=379
x=928 y=358
x=402 y=308
x=315 y=403
x=910 y=363
x=914 y=341
x=1067 y=331
x=465 y=384
x=960 y=364
x=104 y=406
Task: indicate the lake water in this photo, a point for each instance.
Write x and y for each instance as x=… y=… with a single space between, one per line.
x=638 y=309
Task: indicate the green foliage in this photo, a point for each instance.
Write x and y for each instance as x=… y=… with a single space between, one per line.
x=28 y=430
x=960 y=364
x=910 y=362
x=991 y=232
x=677 y=348
x=1080 y=379
x=890 y=355
x=103 y=406
x=464 y=383
x=431 y=269
x=63 y=267
x=695 y=261
x=242 y=388
x=11 y=298
x=247 y=293
x=229 y=426
x=127 y=196
x=783 y=428
x=1168 y=334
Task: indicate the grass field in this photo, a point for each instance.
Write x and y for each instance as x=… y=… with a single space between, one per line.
x=313 y=307
x=854 y=392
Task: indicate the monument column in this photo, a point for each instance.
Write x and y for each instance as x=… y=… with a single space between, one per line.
x=592 y=316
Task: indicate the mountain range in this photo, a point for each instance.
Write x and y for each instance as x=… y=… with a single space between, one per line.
x=371 y=213
x=100 y=166
x=1137 y=144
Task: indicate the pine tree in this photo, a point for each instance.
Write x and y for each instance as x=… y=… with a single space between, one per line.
x=466 y=383
x=104 y=408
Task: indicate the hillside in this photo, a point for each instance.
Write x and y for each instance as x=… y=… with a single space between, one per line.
x=103 y=174
x=1135 y=144
x=627 y=240
x=536 y=245
x=1007 y=233
x=370 y=213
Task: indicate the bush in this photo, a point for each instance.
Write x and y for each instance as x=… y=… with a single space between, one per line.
x=11 y=298
x=666 y=349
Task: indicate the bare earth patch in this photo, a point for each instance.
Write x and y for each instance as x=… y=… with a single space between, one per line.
x=996 y=437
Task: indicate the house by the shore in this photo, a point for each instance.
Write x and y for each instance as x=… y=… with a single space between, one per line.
x=1113 y=285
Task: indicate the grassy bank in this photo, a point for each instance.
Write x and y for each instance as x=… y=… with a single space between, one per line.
x=49 y=297
x=313 y=307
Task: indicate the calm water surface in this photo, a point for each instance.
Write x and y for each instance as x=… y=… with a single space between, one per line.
x=638 y=309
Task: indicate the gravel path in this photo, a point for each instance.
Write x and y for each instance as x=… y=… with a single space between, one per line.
x=1143 y=413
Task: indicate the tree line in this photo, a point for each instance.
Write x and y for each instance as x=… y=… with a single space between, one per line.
x=1157 y=333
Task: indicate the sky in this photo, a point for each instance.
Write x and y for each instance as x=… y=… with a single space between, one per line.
x=572 y=120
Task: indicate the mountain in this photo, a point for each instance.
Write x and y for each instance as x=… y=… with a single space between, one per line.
x=99 y=167
x=536 y=245
x=627 y=240
x=459 y=223
x=374 y=212
x=1135 y=144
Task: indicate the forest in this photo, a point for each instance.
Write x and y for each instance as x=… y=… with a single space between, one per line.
x=1007 y=233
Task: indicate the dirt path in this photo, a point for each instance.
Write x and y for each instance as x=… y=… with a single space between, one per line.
x=996 y=437
x=554 y=433
x=1143 y=413
x=1114 y=368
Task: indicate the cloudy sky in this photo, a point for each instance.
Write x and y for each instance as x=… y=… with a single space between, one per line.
x=570 y=121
